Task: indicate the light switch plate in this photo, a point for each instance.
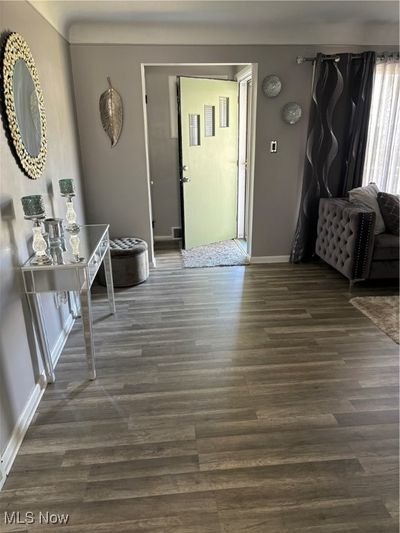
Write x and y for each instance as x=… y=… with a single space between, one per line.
x=274 y=147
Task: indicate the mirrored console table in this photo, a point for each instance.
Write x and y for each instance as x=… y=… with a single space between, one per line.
x=75 y=261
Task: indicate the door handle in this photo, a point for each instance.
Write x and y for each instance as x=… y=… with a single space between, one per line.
x=185 y=179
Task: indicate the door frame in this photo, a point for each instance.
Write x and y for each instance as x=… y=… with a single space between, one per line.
x=180 y=159
x=243 y=77
x=254 y=75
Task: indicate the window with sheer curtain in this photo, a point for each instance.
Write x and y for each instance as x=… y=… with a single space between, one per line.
x=382 y=158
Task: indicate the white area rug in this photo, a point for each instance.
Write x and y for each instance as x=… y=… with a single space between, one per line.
x=383 y=311
x=224 y=253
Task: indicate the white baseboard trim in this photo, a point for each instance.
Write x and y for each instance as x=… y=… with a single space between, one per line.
x=269 y=259
x=22 y=425
x=25 y=419
x=163 y=238
x=2 y=474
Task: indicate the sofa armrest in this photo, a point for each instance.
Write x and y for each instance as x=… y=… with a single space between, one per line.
x=345 y=237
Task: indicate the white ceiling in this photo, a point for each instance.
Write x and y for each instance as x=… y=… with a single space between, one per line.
x=224 y=22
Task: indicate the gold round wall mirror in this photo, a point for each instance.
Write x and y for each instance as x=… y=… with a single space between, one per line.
x=24 y=106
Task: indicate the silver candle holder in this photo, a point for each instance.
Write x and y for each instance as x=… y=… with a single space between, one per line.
x=54 y=228
x=55 y=231
x=34 y=210
x=67 y=190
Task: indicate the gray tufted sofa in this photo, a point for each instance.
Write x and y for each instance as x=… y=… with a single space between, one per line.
x=346 y=241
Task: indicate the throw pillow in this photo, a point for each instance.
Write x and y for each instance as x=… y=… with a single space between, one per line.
x=390 y=208
x=368 y=197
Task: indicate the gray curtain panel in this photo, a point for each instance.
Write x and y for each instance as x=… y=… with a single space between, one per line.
x=336 y=142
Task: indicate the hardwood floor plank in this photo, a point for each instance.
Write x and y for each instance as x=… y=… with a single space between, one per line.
x=227 y=400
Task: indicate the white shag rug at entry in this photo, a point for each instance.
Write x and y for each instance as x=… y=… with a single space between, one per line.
x=224 y=253
x=383 y=311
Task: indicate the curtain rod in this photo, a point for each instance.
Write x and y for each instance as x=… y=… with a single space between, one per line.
x=301 y=59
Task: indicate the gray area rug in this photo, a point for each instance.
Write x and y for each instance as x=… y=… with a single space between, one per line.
x=224 y=253
x=383 y=311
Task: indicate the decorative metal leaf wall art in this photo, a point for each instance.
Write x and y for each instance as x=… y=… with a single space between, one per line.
x=111 y=113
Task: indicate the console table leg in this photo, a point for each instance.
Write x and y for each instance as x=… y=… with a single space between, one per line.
x=86 y=312
x=40 y=330
x=109 y=281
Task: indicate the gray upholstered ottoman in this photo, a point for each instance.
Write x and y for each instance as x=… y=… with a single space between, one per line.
x=130 y=262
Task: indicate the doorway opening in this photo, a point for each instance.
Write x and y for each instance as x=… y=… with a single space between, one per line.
x=199 y=122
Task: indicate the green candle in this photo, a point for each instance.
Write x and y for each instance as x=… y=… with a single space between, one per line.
x=33 y=205
x=67 y=186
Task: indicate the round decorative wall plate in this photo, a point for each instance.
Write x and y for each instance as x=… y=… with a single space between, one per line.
x=24 y=106
x=271 y=86
x=291 y=113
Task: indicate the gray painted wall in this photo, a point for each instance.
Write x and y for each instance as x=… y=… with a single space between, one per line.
x=115 y=179
x=19 y=363
x=163 y=149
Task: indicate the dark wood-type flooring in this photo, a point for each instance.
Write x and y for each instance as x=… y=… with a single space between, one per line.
x=239 y=399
